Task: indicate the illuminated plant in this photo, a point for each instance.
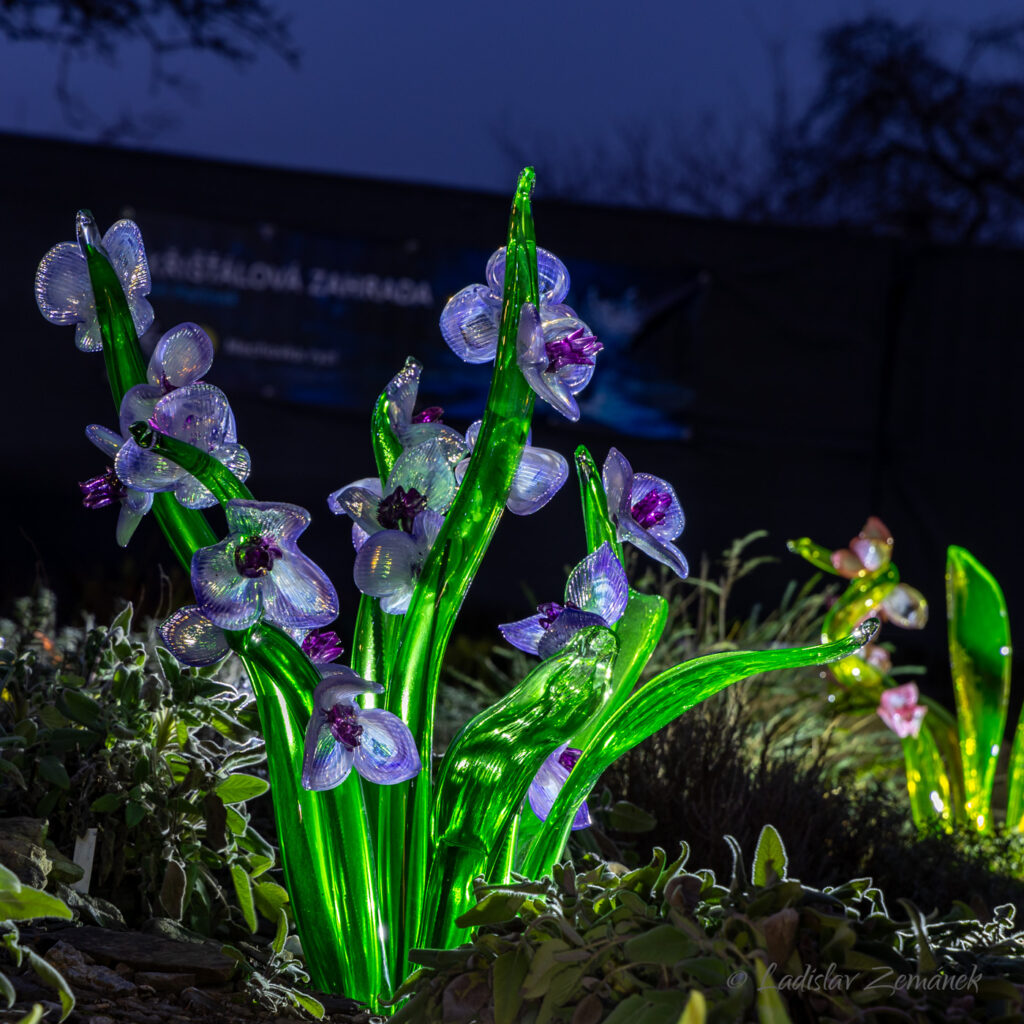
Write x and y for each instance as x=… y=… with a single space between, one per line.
x=376 y=870
x=951 y=763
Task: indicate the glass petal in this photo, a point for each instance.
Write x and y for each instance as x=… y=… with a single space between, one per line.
x=384 y=568
x=526 y=634
x=108 y=441
x=339 y=685
x=236 y=458
x=280 y=520
x=533 y=360
x=63 y=291
x=144 y=470
x=539 y=477
x=198 y=414
x=228 y=599
x=139 y=403
x=547 y=783
x=846 y=563
x=598 y=585
x=565 y=627
x=427 y=469
x=325 y=762
x=360 y=501
x=660 y=550
x=192 y=638
x=905 y=606
x=425 y=528
x=387 y=752
x=402 y=390
x=672 y=525
x=874 y=554
x=617 y=477
x=182 y=356
x=553 y=278
x=127 y=521
x=297 y=593
x=469 y=324
x=123 y=242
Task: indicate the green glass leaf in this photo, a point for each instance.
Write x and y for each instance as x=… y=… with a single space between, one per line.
x=979 y=654
x=819 y=557
x=658 y=702
x=490 y=764
x=236 y=789
x=596 y=522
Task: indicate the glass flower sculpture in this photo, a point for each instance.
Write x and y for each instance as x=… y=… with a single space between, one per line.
x=900 y=711
x=364 y=896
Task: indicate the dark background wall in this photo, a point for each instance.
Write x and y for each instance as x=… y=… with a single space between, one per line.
x=821 y=377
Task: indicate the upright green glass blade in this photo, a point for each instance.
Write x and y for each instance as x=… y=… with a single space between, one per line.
x=928 y=782
x=979 y=654
x=443 y=583
x=596 y=522
x=654 y=705
x=488 y=767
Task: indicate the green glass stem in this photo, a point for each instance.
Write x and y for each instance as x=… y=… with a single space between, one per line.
x=489 y=766
x=980 y=661
x=658 y=702
x=325 y=848
x=444 y=581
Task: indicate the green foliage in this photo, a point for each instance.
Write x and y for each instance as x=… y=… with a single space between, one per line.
x=23 y=903
x=272 y=975
x=662 y=943
x=100 y=728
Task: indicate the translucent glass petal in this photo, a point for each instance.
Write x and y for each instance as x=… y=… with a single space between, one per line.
x=192 y=494
x=526 y=634
x=846 y=563
x=236 y=458
x=553 y=278
x=660 y=550
x=539 y=477
x=340 y=684
x=905 y=606
x=360 y=501
x=401 y=391
x=108 y=441
x=469 y=324
x=123 y=242
x=598 y=585
x=127 y=521
x=533 y=361
x=874 y=554
x=145 y=471
x=387 y=752
x=279 y=520
x=139 y=403
x=425 y=528
x=63 y=291
x=617 y=477
x=325 y=762
x=228 y=599
x=427 y=469
x=672 y=525
x=384 y=568
x=565 y=627
x=547 y=783
x=198 y=414
x=193 y=639
x=182 y=356
x=297 y=593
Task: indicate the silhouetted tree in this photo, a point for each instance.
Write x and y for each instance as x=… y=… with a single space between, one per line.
x=897 y=139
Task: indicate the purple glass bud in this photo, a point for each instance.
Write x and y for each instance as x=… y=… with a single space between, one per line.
x=398 y=510
x=102 y=490
x=341 y=720
x=651 y=509
x=255 y=557
x=432 y=414
x=322 y=646
x=573 y=350
x=568 y=758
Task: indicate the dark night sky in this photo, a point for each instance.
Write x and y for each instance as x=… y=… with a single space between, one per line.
x=422 y=92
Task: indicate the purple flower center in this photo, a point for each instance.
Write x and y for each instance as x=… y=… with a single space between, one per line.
x=568 y=758
x=651 y=509
x=549 y=612
x=573 y=350
x=432 y=414
x=322 y=646
x=255 y=557
x=102 y=490
x=341 y=719
x=398 y=510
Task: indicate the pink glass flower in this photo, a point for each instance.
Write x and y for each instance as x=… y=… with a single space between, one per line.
x=899 y=709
